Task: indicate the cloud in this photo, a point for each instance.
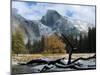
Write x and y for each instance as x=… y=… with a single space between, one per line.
x=34 y=11
x=85 y=13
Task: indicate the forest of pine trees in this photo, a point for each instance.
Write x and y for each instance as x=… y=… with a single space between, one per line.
x=86 y=43
x=51 y=44
x=18 y=46
x=54 y=44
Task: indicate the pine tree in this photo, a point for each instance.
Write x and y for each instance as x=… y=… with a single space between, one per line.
x=29 y=46
x=18 y=46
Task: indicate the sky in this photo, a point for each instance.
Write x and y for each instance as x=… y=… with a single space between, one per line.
x=35 y=10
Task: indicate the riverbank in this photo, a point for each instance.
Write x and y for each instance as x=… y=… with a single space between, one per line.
x=27 y=57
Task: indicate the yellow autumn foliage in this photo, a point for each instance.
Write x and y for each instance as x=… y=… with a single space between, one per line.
x=53 y=44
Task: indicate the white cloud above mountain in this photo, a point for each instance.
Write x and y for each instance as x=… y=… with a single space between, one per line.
x=35 y=10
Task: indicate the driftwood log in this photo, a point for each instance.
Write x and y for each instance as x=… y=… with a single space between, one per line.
x=73 y=64
x=42 y=61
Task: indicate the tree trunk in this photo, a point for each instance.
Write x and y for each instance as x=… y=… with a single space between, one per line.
x=67 y=42
x=70 y=55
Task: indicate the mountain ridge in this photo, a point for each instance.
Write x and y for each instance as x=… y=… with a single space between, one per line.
x=52 y=22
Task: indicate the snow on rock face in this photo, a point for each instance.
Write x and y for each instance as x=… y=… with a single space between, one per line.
x=64 y=25
x=44 y=30
x=81 y=26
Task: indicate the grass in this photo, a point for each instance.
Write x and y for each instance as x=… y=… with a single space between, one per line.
x=28 y=57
